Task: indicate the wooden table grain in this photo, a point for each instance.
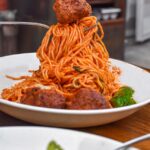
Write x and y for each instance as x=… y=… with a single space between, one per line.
x=123 y=130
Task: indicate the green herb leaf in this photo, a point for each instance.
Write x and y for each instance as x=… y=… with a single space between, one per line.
x=123 y=97
x=77 y=68
x=53 y=146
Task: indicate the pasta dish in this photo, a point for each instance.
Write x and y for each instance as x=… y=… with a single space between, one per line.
x=75 y=71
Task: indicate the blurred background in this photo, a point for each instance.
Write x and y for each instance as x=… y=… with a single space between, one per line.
x=126 y=24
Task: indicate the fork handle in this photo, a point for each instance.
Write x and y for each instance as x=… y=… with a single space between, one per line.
x=134 y=141
x=24 y=23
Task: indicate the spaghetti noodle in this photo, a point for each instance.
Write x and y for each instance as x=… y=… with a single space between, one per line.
x=71 y=58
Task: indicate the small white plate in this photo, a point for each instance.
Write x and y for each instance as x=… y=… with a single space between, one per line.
x=17 y=65
x=38 y=138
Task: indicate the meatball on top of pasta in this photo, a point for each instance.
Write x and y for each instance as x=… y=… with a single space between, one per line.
x=69 y=11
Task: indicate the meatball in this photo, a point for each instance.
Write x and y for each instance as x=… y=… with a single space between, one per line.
x=86 y=99
x=43 y=98
x=69 y=11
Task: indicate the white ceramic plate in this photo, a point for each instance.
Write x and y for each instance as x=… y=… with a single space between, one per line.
x=37 y=138
x=17 y=65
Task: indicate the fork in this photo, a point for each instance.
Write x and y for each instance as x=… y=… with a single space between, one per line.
x=126 y=145
x=24 y=23
x=35 y=24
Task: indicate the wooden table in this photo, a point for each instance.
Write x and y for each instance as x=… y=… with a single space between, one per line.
x=123 y=130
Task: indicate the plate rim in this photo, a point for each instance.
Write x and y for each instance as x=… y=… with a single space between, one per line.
x=61 y=129
x=72 y=112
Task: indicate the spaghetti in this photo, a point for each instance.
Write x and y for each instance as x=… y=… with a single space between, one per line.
x=71 y=58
